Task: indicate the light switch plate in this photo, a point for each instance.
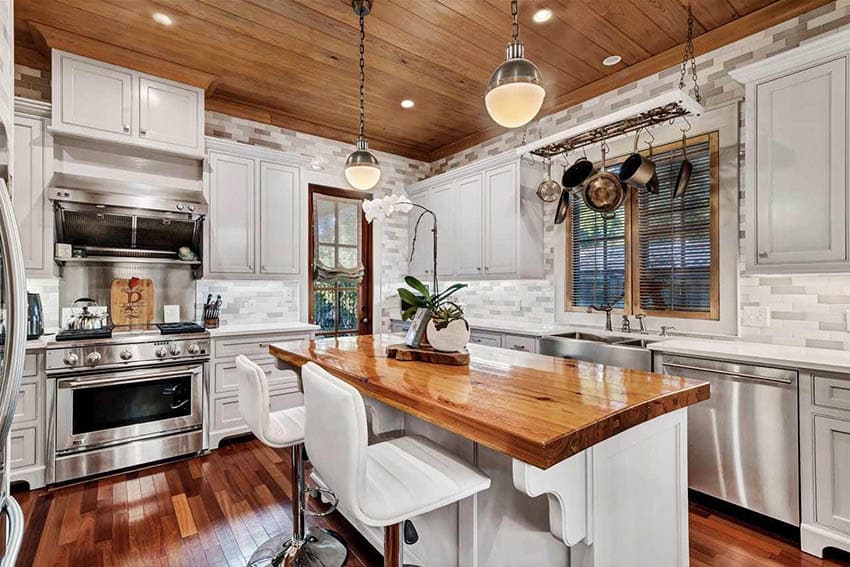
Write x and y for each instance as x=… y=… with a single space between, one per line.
x=755 y=316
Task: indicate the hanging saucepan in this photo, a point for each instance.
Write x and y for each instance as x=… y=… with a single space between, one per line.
x=548 y=191
x=563 y=206
x=577 y=173
x=604 y=193
x=637 y=169
x=685 y=169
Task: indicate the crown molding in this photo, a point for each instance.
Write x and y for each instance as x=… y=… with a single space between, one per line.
x=29 y=107
x=258 y=152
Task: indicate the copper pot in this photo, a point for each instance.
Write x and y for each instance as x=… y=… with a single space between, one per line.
x=604 y=193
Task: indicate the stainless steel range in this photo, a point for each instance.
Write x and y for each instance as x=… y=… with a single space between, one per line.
x=131 y=398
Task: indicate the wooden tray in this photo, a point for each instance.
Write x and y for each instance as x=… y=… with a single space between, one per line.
x=427 y=354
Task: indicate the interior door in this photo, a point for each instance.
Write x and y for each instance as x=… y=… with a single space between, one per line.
x=232 y=214
x=340 y=262
x=96 y=96
x=501 y=205
x=280 y=245
x=443 y=205
x=469 y=196
x=168 y=113
x=801 y=177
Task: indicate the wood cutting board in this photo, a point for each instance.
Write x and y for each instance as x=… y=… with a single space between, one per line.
x=131 y=301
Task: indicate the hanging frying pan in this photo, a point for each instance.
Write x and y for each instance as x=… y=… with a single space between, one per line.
x=637 y=169
x=685 y=170
x=563 y=206
x=604 y=193
x=577 y=173
x=548 y=190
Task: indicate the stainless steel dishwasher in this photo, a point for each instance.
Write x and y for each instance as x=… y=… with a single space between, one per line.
x=743 y=444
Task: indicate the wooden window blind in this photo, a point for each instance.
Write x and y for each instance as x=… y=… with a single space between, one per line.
x=658 y=255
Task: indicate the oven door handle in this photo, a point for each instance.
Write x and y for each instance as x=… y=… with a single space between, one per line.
x=73 y=384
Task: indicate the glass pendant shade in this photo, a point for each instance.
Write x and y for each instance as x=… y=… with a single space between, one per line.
x=362 y=169
x=515 y=93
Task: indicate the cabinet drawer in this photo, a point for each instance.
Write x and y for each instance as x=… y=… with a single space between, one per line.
x=519 y=342
x=226 y=410
x=23 y=448
x=832 y=392
x=27 y=407
x=31 y=365
x=257 y=344
x=484 y=338
x=227 y=376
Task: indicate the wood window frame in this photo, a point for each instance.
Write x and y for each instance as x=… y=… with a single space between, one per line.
x=632 y=242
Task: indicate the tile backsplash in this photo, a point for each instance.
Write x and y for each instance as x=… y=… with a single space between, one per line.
x=251 y=301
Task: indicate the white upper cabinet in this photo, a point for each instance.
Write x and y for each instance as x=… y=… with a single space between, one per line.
x=501 y=204
x=490 y=231
x=421 y=263
x=796 y=159
x=32 y=209
x=92 y=99
x=169 y=113
x=469 y=234
x=280 y=245
x=232 y=201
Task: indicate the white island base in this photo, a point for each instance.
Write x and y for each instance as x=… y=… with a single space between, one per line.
x=622 y=502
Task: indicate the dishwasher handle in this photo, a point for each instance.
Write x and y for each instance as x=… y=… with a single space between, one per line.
x=728 y=373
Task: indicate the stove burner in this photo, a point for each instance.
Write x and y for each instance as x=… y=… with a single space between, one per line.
x=80 y=334
x=179 y=328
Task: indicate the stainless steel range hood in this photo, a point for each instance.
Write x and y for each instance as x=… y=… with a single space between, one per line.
x=112 y=221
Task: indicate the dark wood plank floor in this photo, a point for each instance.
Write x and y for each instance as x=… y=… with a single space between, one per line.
x=215 y=510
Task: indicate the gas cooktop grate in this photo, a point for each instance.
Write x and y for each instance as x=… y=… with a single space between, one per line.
x=179 y=328
x=80 y=334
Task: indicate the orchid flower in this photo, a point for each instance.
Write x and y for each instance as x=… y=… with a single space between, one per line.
x=379 y=209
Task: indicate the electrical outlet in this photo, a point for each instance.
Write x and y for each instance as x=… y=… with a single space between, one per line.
x=755 y=316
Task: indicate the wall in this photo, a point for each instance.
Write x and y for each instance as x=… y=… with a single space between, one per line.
x=806 y=310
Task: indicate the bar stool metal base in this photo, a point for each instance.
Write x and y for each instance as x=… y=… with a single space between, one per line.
x=319 y=548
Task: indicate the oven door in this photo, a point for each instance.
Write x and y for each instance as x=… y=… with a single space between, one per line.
x=121 y=406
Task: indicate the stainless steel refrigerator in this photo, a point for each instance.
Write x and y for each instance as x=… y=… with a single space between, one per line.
x=13 y=299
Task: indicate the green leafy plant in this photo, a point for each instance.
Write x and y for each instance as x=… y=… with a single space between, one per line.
x=442 y=310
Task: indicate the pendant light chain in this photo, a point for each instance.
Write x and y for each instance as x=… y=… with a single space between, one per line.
x=689 y=54
x=515 y=16
x=362 y=76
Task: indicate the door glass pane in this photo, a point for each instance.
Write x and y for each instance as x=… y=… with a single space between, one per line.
x=347 y=257
x=349 y=222
x=325 y=220
x=326 y=256
x=347 y=309
x=324 y=308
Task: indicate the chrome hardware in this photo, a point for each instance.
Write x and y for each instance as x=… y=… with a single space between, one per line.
x=762 y=254
x=626 y=326
x=665 y=330
x=641 y=317
x=519 y=347
x=176 y=350
x=193 y=349
x=180 y=206
x=364 y=320
x=161 y=352
x=71 y=359
x=262 y=345
x=93 y=358
x=251 y=267
x=126 y=355
x=191 y=208
x=478 y=268
x=126 y=127
x=605 y=309
x=143 y=131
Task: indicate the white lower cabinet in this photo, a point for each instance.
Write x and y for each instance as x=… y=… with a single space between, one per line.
x=832 y=472
x=223 y=402
x=28 y=438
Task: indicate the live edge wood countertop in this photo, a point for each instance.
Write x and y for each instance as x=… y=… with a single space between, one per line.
x=535 y=408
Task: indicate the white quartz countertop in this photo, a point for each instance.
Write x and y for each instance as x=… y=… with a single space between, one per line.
x=262 y=328
x=779 y=355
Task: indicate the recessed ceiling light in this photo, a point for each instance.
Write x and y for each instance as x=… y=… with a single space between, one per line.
x=407 y=103
x=611 y=60
x=163 y=19
x=542 y=15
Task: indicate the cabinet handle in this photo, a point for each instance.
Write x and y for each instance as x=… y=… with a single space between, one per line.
x=251 y=267
x=262 y=345
x=143 y=131
x=478 y=268
x=762 y=254
x=126 y=127
x=486 y=268
x=519 y=347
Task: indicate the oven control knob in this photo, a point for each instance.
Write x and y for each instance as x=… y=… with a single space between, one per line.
x=71 y=359
x=93 y=358
x=161 y=352
x=176 y=350
x=193 y=349
x=126 y=355
x=180 y=206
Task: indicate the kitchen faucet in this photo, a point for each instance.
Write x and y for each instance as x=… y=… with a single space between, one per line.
x=626 y=327
x=607 y=310
x=641 y=317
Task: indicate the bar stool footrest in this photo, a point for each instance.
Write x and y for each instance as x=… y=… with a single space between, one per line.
x=319 y=548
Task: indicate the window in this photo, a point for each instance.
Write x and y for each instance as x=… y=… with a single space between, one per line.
x=657 y=255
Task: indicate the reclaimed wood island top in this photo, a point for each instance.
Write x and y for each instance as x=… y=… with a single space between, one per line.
x=535 y=408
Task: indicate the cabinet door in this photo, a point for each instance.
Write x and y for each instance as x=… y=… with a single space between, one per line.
x=832 y=463
x=168 y=113
x=232 y=214
x=469 y=232
x=501 y=219
x=96 y=96
x=442 y=203
x=421 y=264
x=801 y=171
x=28 y=191
x=280 y=226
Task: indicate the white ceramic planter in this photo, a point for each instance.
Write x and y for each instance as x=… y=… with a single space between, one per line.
x=453 y=338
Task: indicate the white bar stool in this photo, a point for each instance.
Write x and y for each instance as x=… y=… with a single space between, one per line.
x=386 y=483
x=285 y=429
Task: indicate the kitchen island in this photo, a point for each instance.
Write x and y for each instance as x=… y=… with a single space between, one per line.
x=607 y=446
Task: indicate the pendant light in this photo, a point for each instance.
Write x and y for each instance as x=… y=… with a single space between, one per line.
x=362 y=169
x=515 y=92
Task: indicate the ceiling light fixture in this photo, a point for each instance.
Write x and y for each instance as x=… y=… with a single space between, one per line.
x=362 y=169
x=407 y=103
x=163 y=19
x=515 y=92
x=611 y=60
x=542 y=15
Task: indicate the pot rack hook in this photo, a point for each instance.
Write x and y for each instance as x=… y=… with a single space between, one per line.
x=688 y=129
x=651 y=137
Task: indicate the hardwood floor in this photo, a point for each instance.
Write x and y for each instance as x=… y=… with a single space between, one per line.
x=215 y=510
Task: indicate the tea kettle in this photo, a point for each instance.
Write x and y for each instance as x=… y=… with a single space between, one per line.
x=85 y=320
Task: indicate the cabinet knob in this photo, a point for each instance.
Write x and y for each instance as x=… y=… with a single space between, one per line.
x=251 y=267
x=143 y=131
x=762 y=254
x=486 y=268
x=478 y=268
x=126 y=127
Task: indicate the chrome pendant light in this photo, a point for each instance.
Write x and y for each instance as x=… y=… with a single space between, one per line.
x=515 y=92
x=362 y=169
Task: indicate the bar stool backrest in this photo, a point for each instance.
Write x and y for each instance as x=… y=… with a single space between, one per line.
x=254 y=398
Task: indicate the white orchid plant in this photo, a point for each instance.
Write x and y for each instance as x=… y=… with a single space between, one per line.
x=379 y=209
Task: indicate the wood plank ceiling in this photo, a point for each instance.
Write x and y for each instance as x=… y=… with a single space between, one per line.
x=293 y=63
